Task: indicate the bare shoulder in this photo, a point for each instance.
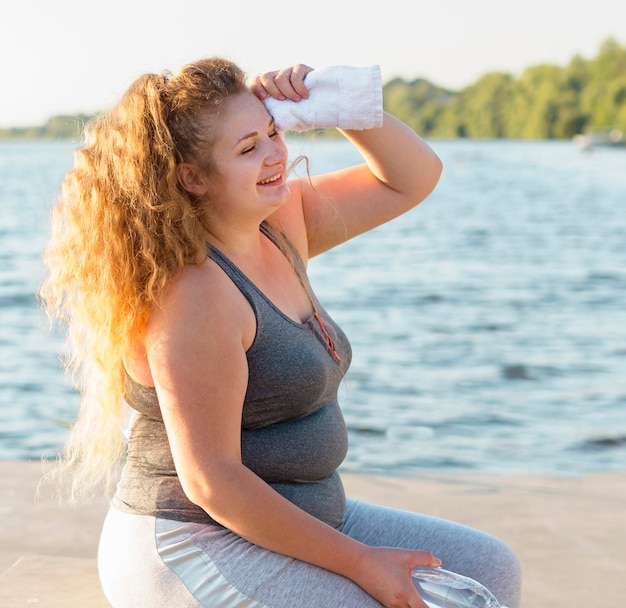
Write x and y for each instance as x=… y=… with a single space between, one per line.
x=206 y=283
x=201 y=305
x=202 y=310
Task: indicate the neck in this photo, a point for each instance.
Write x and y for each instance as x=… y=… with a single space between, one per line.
x=235 y=242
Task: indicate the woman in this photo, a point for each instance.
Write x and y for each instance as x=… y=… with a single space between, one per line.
x=178 y=260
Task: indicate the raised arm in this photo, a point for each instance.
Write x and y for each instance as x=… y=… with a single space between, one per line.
x=400 y=171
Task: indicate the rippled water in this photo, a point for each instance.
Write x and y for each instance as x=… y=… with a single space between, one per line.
x=487 y=325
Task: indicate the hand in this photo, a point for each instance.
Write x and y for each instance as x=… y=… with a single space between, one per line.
x=282 y=84
x=385 y=574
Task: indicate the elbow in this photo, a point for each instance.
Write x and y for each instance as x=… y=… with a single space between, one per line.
x=199 y=493
x=439 y=166
x=210 y=490
x=209 y=501
x=430 y=173
x=436 y=169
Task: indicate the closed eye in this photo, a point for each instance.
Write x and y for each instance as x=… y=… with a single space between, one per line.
x=273 y=134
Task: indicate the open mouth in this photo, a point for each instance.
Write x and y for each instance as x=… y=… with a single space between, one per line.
x=270 y=180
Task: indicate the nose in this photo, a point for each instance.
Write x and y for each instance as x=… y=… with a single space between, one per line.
x=276 y=151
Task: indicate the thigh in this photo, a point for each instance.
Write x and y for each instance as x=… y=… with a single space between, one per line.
x=162 y=563
x=464 y=550
x=264 y=578
x=131 y=571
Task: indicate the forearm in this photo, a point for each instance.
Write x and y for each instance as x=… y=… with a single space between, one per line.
x=245 y=504
x=399 y=159
x=400 y=171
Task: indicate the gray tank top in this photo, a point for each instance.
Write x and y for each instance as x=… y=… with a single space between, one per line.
x=293 y=434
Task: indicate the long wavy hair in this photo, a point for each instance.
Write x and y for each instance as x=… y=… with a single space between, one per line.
x=122 y=229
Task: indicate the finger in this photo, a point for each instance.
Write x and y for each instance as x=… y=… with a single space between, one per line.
x=283 y=81
x=418 y=603
x=414 y=599
x=425 y=558
x=258 y=89
x=270 y=85
x=298 y=74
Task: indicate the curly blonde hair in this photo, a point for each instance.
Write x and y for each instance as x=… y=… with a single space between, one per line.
x=122 y=229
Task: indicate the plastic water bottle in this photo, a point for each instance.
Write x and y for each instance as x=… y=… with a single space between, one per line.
x=440 y=588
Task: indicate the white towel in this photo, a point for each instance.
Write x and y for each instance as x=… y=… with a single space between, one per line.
x=347 y=97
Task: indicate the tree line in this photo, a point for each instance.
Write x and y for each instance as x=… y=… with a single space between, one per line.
x=544 y=102
x=57 y=127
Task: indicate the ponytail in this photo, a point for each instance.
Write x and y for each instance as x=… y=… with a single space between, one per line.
x=122 y=229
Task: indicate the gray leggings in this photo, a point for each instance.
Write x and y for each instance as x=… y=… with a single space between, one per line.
x=146 y=561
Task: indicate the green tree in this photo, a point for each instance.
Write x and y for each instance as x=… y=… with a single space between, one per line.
x=604 y=96
x=419 y=102
x=481 y=110
x=545 y=102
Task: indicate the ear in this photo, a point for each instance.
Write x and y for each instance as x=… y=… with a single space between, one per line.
x=191 y=178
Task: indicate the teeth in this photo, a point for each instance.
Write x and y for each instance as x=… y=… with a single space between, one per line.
x=269 y=180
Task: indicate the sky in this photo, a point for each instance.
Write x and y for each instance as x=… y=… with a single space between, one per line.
x=66 y=56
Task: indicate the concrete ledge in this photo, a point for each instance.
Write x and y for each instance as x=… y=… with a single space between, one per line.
x=568 y=531
x=41 y=525
x=48 y=581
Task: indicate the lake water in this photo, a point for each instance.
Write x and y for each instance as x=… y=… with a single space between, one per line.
x=488 y=325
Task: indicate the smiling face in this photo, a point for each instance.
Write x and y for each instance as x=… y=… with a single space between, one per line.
x=249 y=157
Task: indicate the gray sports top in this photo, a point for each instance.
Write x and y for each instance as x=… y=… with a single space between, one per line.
x=293 y=433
